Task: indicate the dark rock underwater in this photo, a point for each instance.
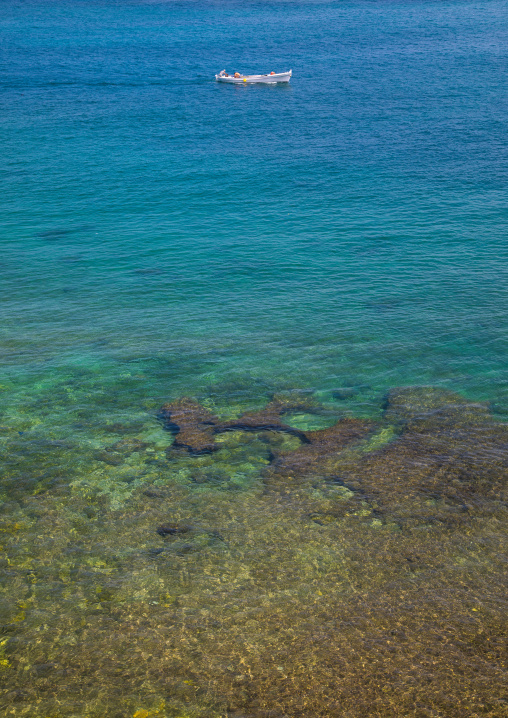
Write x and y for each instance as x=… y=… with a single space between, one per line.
x=447 y=456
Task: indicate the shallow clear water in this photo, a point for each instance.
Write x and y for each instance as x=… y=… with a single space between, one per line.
x=165 y=236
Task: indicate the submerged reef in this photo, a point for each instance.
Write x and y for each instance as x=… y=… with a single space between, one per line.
x=317 y=456
x=194 y=427
x=442 y=455
x=450 y=458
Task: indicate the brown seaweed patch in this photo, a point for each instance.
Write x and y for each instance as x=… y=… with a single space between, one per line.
x=268 y=419
x=450 y=459
x=194 y=428
x=318 y=455
x=192 y=425
x=431 y=406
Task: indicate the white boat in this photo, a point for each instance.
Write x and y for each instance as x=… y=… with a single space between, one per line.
x=238 y=79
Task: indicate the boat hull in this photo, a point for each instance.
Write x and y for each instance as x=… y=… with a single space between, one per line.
x=255 y=79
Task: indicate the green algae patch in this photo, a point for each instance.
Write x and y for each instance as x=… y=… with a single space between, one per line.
x=379 y=439
x=310 y=421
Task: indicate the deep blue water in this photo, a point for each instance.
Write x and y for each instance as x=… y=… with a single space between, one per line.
x=164 y=235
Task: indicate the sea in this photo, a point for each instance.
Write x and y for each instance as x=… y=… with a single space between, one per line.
x=311 y=278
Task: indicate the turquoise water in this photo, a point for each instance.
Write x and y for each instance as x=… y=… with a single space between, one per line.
x=348 y=228
x=165 y=236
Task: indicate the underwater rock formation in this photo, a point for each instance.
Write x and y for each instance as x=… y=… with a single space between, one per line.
x=318 y=456
x=194 y=428
x=430 y=406
x=171 y=529
x=268 y=419
x=192 y=425
x=450 y=459
x=448 y=456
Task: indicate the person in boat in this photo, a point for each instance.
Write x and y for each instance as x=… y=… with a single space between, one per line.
x=272 y=73
x=237 y=74
x=223 y=73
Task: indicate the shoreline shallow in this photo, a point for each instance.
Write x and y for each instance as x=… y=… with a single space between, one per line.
x=281 y=573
